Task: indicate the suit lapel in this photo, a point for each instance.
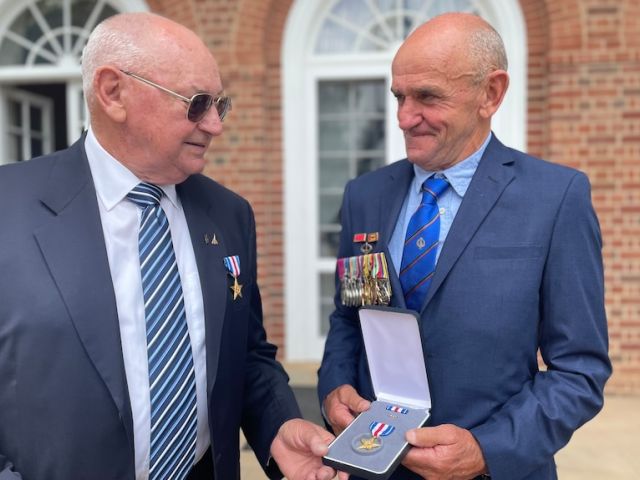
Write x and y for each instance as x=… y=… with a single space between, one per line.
x=211 y=269
x=73 y=247
x=392 y=195
x=487 y=184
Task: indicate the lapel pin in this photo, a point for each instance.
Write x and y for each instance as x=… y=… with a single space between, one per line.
x=210 y=240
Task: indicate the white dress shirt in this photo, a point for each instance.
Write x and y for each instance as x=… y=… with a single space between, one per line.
x=120 y=224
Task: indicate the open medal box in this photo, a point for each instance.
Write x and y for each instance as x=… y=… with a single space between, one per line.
x=373 y=445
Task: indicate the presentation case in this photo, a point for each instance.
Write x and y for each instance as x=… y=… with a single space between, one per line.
x=373 y=445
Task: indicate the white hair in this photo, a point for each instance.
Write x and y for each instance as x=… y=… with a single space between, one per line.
x=487 y=51
x=116 y=41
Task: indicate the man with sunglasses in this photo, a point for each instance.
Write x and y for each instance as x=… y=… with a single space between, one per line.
x=131 y=337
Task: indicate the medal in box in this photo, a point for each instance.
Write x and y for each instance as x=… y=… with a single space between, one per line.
x=373 y=445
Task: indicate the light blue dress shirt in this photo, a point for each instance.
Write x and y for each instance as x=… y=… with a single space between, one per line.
x=459 y=177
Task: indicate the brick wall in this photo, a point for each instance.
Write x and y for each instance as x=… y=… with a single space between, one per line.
x=583 y=111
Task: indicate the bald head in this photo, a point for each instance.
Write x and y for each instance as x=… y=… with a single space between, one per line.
x=138 y=42
x=449 y=77
x=458 y=40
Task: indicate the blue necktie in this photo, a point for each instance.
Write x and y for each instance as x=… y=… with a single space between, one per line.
x=421 y=244
x=171 y=375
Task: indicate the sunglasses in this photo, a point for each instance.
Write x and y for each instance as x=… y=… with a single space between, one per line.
x=198 y=105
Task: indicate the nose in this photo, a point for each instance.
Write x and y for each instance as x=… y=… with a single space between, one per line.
x=408 y=114
x=211 y=123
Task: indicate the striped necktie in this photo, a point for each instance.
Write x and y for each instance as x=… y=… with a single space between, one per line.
x=171 y=375
x=421 y=244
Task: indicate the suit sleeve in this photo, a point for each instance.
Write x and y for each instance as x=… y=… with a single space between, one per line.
x=268 y=399
x=344 y=341
x=539 y=420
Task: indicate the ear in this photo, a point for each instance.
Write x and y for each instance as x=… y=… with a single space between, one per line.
x=495 y=88
x=108 y=89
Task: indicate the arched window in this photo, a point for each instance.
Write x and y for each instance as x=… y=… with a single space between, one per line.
x=41 y=41
x=340 y=122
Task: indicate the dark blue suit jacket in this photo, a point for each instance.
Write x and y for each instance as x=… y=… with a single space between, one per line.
x=64 y=407
x=520 y=270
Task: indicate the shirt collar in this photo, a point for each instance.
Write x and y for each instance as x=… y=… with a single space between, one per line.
x=459 y=175
x=112 y=180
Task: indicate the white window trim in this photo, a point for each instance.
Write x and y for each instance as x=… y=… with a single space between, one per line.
x=9 y=9
x=26 y=101
x=300 y=76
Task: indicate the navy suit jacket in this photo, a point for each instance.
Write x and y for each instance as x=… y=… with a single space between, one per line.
x=64 y=403
x=520 y=270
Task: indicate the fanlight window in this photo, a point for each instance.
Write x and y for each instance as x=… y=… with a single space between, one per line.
x=356 y=26
x=51 y=32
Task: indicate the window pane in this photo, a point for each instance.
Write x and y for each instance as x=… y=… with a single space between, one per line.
x=36 y=147
x=329 y=242
x=327 y=290
x=335 y=38
x=367 y=164
x=15 y=147
x=26 y=26
x=80 y=11
x=334 y=135
x=330 y=207
x=52 y=11
x=370 y=97
x=36 y=119
x=15 y=113
x=11 y=53
x=333 y=97
x=334 y=172
x=386 y=5
x=351 y=142
x=107 y=11
x=354 y=11
x=369 y=135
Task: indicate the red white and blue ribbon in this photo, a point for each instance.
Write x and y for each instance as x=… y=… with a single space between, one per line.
x=233 y=265
x=395 y=408
x=379 y=429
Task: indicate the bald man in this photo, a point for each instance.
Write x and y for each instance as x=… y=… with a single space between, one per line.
x=131 y=337
x=514 y=267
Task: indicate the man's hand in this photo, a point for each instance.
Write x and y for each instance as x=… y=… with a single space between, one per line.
x=341 y=406
x=298 y=448
x=444 y=452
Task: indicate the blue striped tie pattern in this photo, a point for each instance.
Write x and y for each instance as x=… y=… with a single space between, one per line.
x=421 y=244
x=171 y=375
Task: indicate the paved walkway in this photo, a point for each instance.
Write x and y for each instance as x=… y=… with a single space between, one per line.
x=607 y=448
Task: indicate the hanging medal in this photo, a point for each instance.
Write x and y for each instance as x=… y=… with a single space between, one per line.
x=367 y=444
x=381 y=283
x=232 y=265
x=368 y=287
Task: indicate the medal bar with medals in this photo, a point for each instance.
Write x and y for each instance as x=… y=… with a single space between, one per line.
x=364 y=279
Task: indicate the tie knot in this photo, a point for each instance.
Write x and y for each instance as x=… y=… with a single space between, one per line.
x=435 y=186
x=145 y=195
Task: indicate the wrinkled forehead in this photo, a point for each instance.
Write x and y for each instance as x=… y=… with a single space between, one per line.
x=188 y=61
